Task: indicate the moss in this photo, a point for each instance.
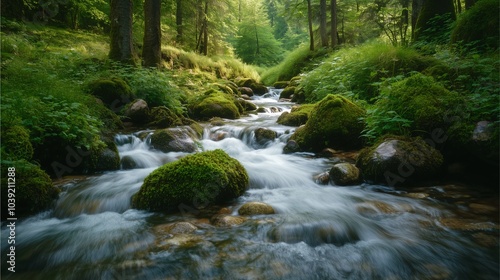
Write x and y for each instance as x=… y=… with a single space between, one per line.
x=297 y=116
x=333 y=123
x=287 y=92
x=214 y=104
x=162 y=117
x=246 y=105
x=411 y=154
x=104 y=157
x=257 y=88
x=114 y=92
x=421 y=100
x=195 y=181
x=16 y=143
x=479 y=25
x=225 y=89
x=281 y=84
x=263 y=135
x=173 y=139
x=34 y=189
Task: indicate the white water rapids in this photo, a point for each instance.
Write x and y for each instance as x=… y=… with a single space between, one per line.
x=319 y=232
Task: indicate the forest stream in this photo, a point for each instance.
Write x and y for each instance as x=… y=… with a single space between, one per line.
x=447 y=231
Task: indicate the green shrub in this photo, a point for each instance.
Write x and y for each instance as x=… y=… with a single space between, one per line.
x=358 y=71
x=194 y=181
x=477 y=28
x=34 y=189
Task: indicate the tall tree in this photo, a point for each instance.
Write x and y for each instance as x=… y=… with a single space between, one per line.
x=434 y=19
x=309 y=21
x=121 y=48
x=178 y=21
x=416 y=7
x=151 y=50
x=322 y=23
x=333 y=23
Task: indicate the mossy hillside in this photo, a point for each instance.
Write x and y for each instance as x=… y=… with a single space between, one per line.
x=477 y=28
x=358 y=71
x=214 y=103
x=298 y=115
x=333 y=123
x=195 y=181
x=34 y=189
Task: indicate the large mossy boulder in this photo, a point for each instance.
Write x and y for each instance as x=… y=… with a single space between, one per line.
x=287 y=92
x=194 y=182
x=333 y=123
x=174 y=140
x=138 y=111
x=114 y=92
x=297 y=116
x=214 y=103
x=104 y=157
x=34 y=191
x=399 y=161
x=163 y=117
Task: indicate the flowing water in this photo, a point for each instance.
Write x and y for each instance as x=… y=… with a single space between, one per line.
x=319 y=232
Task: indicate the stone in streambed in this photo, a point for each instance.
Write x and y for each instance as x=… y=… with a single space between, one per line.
x=256 y=208
x=344 y=174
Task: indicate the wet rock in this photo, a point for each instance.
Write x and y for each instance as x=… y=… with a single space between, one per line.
x=467 y=224
x=261 y=110
x=162 y=117
x=344 y=174
x=281 y=84
x=217 y=121
x=275 y=109
x=246 y=91
x=417 y=195
x=128 y=162
x=486 y=240
x=175 y=228
x=398 y=161
x=264 y=135
x=257 y=88
x=223 y=220
x=478 y=208
x=322 y=178
x=173 y=140
x=247 y=105
x=255 y=208
x=219 y=135
x=287 y=92
x=291 y=147
x=137 y=111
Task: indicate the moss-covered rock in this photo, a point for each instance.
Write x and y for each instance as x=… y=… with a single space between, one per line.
x=281 y=84
x=138 y=111
x=16 y=144
x=297 y=116
x=479 y=25
x=287 y=92
x=264 y=135
x=333 y=123
x=114 y=92
x=34 y=191
x=194 y=181
x=104 y=157
x=246 y=105
x=214 y=104
x=173 y=140
x=344 y=174
x=162 y=117
x=399 y=161
x=257 y=88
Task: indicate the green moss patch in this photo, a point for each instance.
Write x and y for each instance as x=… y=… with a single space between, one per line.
x=194 y=181
x=297 y=116
x=214 y=104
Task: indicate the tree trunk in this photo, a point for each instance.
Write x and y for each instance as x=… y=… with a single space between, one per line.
x=121 y=48
x=459 y=6
x=416 y=7
x=203 y=44
x=309 y=19
x=178 y=21
x=151 y=49
x=405 y=22
x=469 y=3
x=322 y=23
x=431 y=9
x=333 y=27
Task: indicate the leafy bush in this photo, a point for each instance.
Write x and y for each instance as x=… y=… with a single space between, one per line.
x=358 y=71
x=16 y=143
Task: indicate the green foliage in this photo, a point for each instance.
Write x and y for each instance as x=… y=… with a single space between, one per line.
x=194 y=181
x=415 y=105
x=477 y=28
x=16 y=143
x=296 y=62
x=358 y=71
x=34 y=189
x=333 y=123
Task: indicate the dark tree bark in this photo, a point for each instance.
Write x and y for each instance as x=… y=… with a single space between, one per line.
x=431 y=9
x=12 y=9
x=405 y=21
x=202 y=44
x=469 y=3
x=309 y=19
x=121 y=48
x=416 y=7
x=333 y=23
x=322 y=23
x=178 y=21
x=151 y=50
